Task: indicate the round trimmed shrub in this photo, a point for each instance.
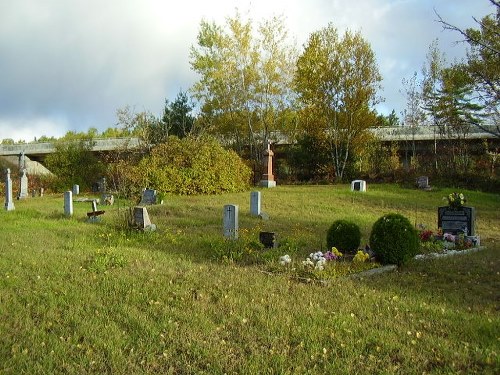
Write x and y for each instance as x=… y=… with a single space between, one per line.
x=394 y=240
x=344 y=235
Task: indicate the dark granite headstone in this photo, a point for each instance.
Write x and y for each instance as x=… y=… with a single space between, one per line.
x=456 y=221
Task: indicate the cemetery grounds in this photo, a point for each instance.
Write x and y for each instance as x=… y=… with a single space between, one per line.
x=97 y=298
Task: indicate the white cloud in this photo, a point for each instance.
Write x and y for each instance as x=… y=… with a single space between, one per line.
x=70 y=64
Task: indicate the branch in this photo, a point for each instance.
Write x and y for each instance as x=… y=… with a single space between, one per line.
x=468 y=38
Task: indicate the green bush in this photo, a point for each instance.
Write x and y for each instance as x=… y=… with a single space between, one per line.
x=193 y=166
x=394 y=239
x=344 y=235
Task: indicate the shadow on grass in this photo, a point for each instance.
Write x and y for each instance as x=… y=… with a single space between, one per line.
x=464 y=281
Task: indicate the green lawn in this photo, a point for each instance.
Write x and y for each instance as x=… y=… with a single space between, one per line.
x=81 y=298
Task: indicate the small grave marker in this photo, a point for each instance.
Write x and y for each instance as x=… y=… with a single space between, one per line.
x=68 y=203
x=268 y=239
x=76 y=189
x=149 y=196
x=9 y=203
x=142 y=220
x=102 y=185
x=423 y=183
x=108 y=199
x=230 y=221
x=93 y=216
x=255 y=203
x=23 y=185
x=358 y=185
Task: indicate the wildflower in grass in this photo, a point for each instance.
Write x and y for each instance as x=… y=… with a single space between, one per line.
x=285 y=260
x=308 y=263
x=330 y=256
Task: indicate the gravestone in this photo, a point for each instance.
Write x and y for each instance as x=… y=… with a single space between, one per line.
x=102 y=185
x=68 y=203
x=108 y=199
x=268 y=177
x=142 y=220
x=423 y=183
x=94 y=215
x=268 y=239
x=255 y=203
x=358 y=185
x=149 y=196
x=230 y=221
x=33 y=193
x=23 y=185
x=41 y=192
x=9 y=202
x=457 y=220
x=76 y=189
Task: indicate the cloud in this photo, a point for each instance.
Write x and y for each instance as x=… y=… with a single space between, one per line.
x=69 y=65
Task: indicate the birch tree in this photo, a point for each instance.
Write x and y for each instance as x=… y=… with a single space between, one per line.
x=337 y=78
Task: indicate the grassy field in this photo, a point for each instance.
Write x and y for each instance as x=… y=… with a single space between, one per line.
x=80 y=298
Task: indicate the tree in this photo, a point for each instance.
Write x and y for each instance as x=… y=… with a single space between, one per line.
x=144 y=125
x=177 y=119
x=337 y=81
x=431 y=72
x=245 y=80
x=483 y=60
x=390 y=120
x=74 y=163
x=455 y=111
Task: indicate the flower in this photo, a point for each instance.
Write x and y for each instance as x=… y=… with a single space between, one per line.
x=361 y=256
x=285 y=260
x=456 y=200
x=336 y=252
x=330 y=256
x=426 y=235
x=449 y=237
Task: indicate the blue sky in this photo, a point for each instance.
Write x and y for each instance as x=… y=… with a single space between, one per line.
x=69 y=65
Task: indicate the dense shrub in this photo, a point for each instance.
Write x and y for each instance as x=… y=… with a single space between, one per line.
x=344 y=235
x=193 y=166
x=394 y=239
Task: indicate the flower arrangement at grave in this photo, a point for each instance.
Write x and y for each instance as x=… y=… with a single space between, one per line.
x=320 y=265
x=441 y=243
x=456 y=200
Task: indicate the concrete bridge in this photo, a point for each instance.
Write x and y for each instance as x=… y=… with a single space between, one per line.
x=37 y=151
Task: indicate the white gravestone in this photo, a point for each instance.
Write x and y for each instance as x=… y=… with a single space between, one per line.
x=358 y=185
x=68 y=203
x=9 y=202
x=76 y=189
x=230 y=221
x=255 y=203
x=23 y=185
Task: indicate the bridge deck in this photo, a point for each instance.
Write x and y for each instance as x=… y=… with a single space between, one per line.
x=396 y=133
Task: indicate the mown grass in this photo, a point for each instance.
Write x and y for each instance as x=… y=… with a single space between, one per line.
x=94 y=298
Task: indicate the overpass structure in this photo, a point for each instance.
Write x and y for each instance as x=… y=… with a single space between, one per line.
x=37 y=151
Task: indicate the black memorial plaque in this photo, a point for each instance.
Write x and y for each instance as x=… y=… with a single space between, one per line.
x=456 y=221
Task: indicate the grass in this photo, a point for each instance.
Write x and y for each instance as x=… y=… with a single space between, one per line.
x=93 y=298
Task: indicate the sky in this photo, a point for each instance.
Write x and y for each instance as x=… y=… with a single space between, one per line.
x=68 y=65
